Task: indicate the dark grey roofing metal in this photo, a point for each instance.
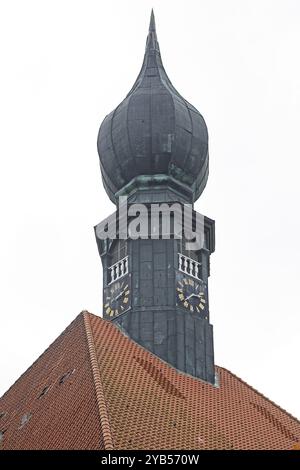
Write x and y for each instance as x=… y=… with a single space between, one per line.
x=153 y=131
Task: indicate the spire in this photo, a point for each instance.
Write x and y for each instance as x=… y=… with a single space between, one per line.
x=152 y=43
x=152 y=22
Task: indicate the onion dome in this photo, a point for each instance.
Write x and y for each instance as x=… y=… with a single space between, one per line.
x=154 y=134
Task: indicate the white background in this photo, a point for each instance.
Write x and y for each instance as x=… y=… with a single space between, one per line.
x=65 y=65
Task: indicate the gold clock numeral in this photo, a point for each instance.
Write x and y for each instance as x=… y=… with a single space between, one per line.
x=191 y=282
x=127 y=292
x=185 y=281
x=179 y=289
x=203 y=301
x=108 y=310
x=117 y=312
x=191 y=308
x=201 y=306
x=112 y=313
x=181 y=296
x=106 y=305
x=197 y=309
x=125 y=300
x=122 y=308
x=186 y=304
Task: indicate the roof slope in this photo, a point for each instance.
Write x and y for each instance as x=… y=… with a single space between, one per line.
x=118 y=395
x=66 y=416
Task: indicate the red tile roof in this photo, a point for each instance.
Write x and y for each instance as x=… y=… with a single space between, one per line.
x=107 y=392
x=66 y=416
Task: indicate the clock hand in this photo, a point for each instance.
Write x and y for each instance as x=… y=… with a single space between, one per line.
x=193 y=295
x=187 y=298
x=120 y=295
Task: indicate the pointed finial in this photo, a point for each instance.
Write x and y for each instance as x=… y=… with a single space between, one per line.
x=152 y=22
x=152 y=43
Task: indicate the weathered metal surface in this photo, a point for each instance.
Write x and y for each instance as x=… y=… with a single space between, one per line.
x=153 y=131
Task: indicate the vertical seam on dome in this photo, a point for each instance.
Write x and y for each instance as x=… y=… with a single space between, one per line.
x=173 y=92
x=128 y=135
x=175 y=140
x=112 y=143
x=198 y=182
x=106 y=181
x=192 y=126
x=163 y=82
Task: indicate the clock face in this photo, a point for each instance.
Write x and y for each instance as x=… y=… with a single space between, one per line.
x=191 y=294
x=117 y=298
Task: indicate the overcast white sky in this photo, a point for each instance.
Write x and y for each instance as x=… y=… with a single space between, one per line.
x=65 y=65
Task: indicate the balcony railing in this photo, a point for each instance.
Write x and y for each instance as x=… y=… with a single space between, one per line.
x=189 y=266
x=118 y=270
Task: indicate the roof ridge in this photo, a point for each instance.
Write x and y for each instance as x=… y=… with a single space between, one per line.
x=102 y=407
x=260 y=394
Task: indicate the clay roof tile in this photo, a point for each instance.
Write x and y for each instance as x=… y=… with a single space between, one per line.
x=117 y=395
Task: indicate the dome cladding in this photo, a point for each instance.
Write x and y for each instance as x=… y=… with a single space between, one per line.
x=153 y=131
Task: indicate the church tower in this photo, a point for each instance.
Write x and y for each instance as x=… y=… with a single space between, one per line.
x=153 y=151
x=130 y=380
